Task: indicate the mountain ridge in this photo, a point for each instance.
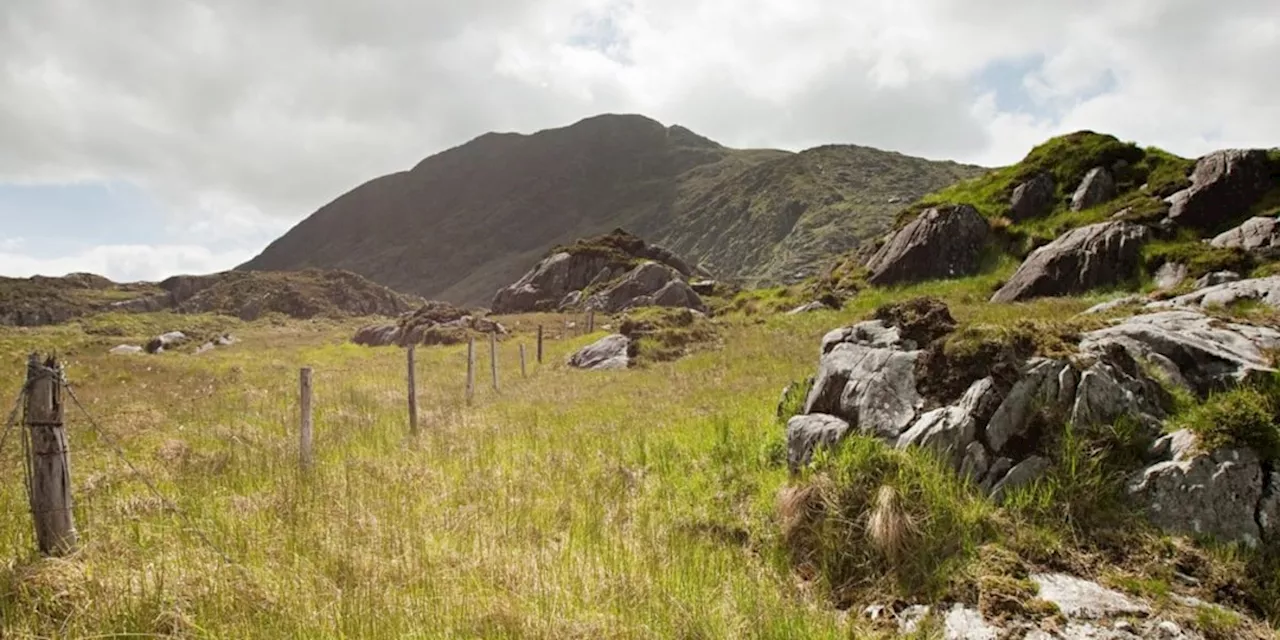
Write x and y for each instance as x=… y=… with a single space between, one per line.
x=468 y=220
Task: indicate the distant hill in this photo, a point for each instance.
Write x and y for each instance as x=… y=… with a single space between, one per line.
x=302 y=294
x=469 y=220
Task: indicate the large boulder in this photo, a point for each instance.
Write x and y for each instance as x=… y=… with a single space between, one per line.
x=609 y=352
x=1033 y=198
x=943 y=242
x=1195 y=492
x=1224 y=185
x=589 y=263
x=806 y=433
x=1097 y=187
x=1263 y=290
x=1258 y=235
x=543 y=287
x=1092 y=256
x=650 y=284
x=1193 y=350
x=872 y=388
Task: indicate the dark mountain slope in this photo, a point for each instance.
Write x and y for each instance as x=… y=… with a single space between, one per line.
x=471 y=219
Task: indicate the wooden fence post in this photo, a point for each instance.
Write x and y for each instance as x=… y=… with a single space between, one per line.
x=591 y=321
x=539 y=344
x=50 y=470
x=493 y=358
x=304 y=434
x=523 y=374
x=471 y=368
x=413 y=393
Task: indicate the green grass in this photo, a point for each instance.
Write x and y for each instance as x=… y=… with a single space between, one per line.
x=1244 y=416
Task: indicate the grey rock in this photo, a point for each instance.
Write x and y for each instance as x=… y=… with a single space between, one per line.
x=1168 y=630
x=1085 y=600
x=703 y=287
x=806 y=433
x=1206 y=353
x=999 y=469
x=1198 y=493
x=1263 y=290
x=126 y=349
x=603 y=277
x=1085 y=258
x=1038 y=389
x=943 y=242
x=1224 y=185
x=807 y=308
x=976 y=462
x=1097 y=187
x=910 y=618
x=871 y=333
x=1269 y=508
x=1021 y=474
x=963 y=623
x=1170 y=275
x=873 y=389
x=1258 y=235
x=1112 y=305
x=609 y=352
x=165 y=342
x=950 y=431
x=1216 y=278
x=570 y=300
x=1033 y=198
x=379 y=334
x=1115 y=386
x=643 y=286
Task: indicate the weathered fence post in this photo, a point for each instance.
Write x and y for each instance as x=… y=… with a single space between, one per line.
x=539 y=344
x=413 y=393
x=591 y=321
x=50 y=464
x=523 y=374
x=471 y=369
x=304 y=434
x=493 y=358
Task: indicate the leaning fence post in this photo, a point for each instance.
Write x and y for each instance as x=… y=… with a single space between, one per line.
x=522 y=369
x=493 y=358
x=304 y=435
x=413 y=393
x=539 y=344
x=50 y=463
x=471 y=368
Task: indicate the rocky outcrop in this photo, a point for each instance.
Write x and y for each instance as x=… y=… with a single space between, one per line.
x=1216 y=278
x=943 y=242
x=608 y=353
x=1097 y=187
x=1224 y=185
x=1259 y=236
x=1170 y=275
x=591 y=263
x=1033 y=198
x=1191 y=349
x=1262 y=290
x=432 y=324
x=1218 y=493
x=868 y=382
x=649 y=284
x=1092 y=256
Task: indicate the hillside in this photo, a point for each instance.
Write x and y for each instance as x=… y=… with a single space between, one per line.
x=310 y=293
x=471 y=219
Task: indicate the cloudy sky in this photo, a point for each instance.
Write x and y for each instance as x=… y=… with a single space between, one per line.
x=142 y=138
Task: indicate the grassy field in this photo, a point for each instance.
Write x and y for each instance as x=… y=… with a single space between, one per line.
x=634 y=504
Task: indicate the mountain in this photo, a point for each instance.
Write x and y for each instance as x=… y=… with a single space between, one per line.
x=471 y=219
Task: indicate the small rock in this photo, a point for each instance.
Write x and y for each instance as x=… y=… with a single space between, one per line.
x=909 y=619
x=1097 y=187
x=609 y=352
x=1216 y=278
x=805 y=433
x=1083 y=599
x=1170 y=275
x=807 y=308
x=1263 y=290
x=1168 y=630
x=126 y=349
x=1021 y=474
x=1115 y=304
x=963 y=623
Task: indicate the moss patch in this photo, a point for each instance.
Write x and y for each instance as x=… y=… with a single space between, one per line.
x=660 y=334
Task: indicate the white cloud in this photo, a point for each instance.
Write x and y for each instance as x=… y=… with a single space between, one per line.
x=240 y=117
x=124 y=263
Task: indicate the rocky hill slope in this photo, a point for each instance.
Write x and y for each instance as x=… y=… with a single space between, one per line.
x=471 y=219
x=301 y=294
